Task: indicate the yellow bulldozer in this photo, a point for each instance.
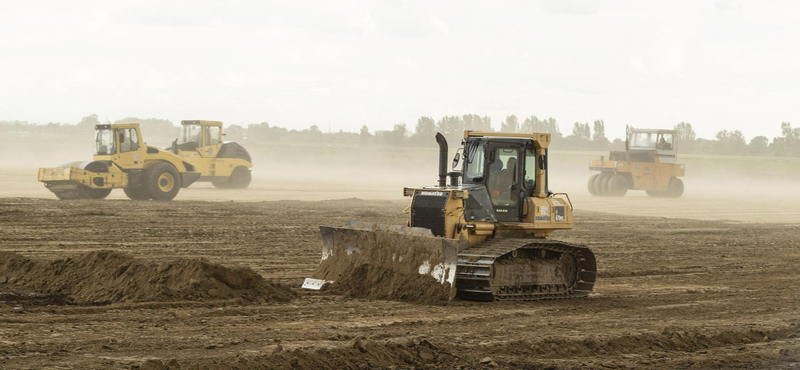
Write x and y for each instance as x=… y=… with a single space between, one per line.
x=480 y=237
x=648 y=163
x=123 y=161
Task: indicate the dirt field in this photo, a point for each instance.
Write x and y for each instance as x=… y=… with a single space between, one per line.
x=672 y=293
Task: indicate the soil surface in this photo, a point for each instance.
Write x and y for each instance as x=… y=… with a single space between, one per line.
x=671 y=293
x=103 y=277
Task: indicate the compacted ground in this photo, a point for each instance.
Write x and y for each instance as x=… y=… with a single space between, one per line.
x=671 y=293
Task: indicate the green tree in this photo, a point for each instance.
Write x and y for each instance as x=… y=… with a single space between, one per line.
x=511 y=124
x=395 y=137
x=580 y=138
x=90 y=121
x=258 y=131
x=599 y=136
x=400 y=130
x=424 y=132
x=451 y=126
x=550 y=125
x=313 y=133
x=731 y=142
x=264 y=132
x=759 y=146
x=788 y=145
x=426 y=127
x=581 y=132
x=685 y=136
x=364 y=136
x=234 y=133
x=477 y=123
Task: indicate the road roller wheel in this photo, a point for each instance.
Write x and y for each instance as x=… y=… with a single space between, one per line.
x=675 y=189
x=603 y=188
x=139 y=193
x=240 y=178
x=617 y=186
x=590 y=185
x=162 y=181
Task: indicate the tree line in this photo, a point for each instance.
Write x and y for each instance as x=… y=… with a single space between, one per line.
x=582 y=135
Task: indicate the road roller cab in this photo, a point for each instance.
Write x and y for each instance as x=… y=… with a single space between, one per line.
x=224 y=164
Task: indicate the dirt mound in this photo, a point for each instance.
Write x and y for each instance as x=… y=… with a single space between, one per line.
x=388 y=262
x=373 y=282
x=106 y=277
x=359 y=354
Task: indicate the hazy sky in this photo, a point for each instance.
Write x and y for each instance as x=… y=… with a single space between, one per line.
x=342 y=64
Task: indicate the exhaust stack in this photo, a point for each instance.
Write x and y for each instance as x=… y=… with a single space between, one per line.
x=442 y=159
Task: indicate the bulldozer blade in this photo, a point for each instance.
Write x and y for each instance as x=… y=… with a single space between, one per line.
x=403 y=252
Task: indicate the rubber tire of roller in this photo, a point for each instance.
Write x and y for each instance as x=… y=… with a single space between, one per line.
x=151 y=179
x=592 y=188
x=139 y=193
x=617 y=186
x=597 y=184
x=604 y=185
x=221 y=184
x=675 y=188
x=240 y=178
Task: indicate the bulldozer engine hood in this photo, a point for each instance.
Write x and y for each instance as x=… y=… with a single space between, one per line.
x=477 y=205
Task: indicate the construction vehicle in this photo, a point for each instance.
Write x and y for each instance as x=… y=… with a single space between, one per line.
x=123 y=161
x=480 y=237
x=648 y=163
x=224 y=164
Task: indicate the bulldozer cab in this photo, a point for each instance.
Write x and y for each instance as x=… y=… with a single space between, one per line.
x=120 y=143
x=510 y=168
x=205 y=137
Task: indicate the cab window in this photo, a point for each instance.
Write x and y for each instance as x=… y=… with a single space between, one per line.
x=104 y=143
x=474 y=161
x=503 y=176
x=190 y=133
x=212 y=135
x=530 y=168
x=128 y=140
x=664 y=142
x=643 y=140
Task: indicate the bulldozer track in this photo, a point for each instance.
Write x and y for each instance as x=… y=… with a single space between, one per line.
x=475 y=272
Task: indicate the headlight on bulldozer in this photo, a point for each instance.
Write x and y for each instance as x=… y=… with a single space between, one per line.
x=459 y=194
x=407 y=192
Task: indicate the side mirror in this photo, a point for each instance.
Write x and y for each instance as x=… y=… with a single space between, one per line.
x=456 y=160
x=542 y=162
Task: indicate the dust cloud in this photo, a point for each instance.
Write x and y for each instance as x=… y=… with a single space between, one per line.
x=759 y=189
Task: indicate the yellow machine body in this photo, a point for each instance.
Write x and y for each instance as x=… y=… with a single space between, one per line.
x=123 y=161
x=648 y=163
x=205 y=154
x=114 y=179
x=653 y=176
x=480 y=237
